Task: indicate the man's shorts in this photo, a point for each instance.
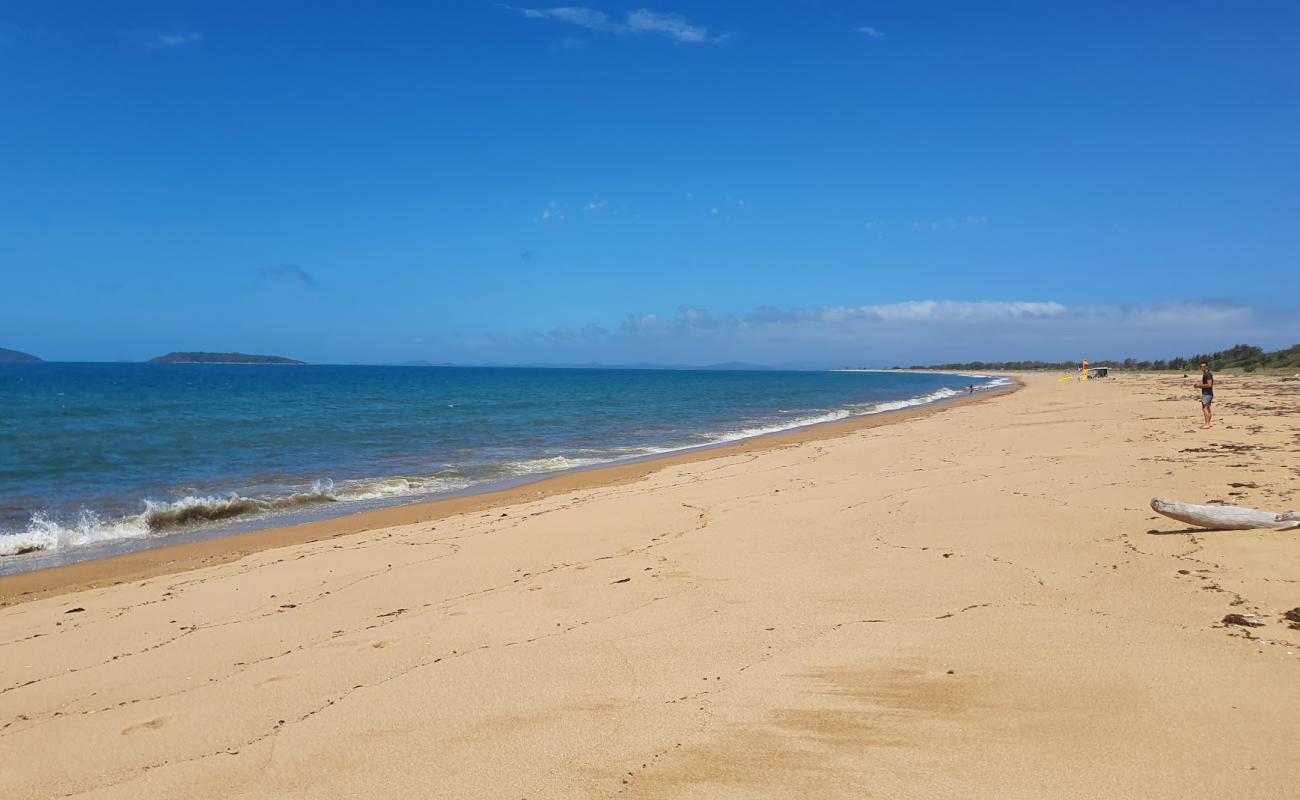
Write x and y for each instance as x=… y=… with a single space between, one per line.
x=1206 y=399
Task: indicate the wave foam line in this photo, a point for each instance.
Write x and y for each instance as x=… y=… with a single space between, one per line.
x=44 y=533
x=844 y=413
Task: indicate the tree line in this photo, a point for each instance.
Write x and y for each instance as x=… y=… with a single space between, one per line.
x=1243 y=356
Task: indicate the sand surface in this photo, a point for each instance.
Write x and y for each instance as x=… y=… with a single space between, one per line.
x=976 y=603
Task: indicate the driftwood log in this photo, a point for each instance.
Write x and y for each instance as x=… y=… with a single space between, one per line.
x=1224 y=518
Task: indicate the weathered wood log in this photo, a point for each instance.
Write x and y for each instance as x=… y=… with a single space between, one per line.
x=1224 y=518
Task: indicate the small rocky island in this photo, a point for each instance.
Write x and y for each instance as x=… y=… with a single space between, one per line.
x=15 y=357
x=221 y=358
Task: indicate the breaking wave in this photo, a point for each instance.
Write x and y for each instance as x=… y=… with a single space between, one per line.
x=46 y=533
x=839 y=414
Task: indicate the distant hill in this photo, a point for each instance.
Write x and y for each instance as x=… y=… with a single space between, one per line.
x=15 y=357
x=221 y=358
x=1243 y=356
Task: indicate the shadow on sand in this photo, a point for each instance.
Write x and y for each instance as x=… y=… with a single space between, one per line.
x=1185 y=531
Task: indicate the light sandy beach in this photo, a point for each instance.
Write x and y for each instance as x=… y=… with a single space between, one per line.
x=973 y=603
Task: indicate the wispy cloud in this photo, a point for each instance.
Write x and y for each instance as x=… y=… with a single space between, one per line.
x=672 y=25
x=154 y=39
x=969 y=222
x=290 y=274
x=554 y=212
x=583 y=17
x=177 y=39
x=866 y=30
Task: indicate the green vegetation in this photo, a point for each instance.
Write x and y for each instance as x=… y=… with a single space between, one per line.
x=1243 y=356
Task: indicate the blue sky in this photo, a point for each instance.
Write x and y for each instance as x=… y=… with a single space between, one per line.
x=811 y=183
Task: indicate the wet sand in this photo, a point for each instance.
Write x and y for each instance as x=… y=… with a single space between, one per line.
x=218 y=549
x=977 y=602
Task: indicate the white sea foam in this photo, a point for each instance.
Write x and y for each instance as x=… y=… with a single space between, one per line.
x=912 y=402
x=44 y=533
x=535 y=466
x=787 y=425
x=397 y=486
x=841 y=413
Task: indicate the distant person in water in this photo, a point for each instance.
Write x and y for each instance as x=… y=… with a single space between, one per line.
x=1207 y=393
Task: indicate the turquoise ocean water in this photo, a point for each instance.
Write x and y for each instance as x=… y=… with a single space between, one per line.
x=96 y=459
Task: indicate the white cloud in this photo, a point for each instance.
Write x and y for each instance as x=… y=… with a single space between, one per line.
x=952 y=311
x=911 y=312
x=583 y=17
x=177 y=39
x=911 y=332
x=637 y=323
x=674 y=26
x=869 y=31
x=697 y=317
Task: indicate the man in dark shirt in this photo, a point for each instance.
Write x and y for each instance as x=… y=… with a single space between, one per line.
x=1207 y=392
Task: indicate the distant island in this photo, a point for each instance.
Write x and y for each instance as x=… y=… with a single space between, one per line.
x=221 y=358
x=15 y=357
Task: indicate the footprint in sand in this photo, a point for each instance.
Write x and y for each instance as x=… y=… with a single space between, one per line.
x=151 y=725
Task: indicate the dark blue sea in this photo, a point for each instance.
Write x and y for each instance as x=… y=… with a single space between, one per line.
x=100 y=458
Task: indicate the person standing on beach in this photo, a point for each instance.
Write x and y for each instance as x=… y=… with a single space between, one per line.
x=1207 y=393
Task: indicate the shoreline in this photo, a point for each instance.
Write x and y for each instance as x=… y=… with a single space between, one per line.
x=168 y=559
x=980 y=598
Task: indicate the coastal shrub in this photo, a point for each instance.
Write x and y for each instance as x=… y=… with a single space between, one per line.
x=1243 y=356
